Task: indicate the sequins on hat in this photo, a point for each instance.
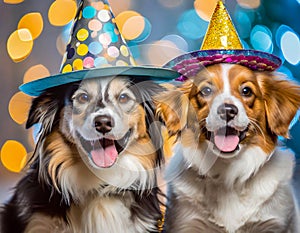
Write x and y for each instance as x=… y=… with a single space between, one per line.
x=96 y=49
x=221 y=44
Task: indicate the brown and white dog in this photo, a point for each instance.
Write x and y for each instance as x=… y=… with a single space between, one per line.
x=95 y=163
x=228 y=174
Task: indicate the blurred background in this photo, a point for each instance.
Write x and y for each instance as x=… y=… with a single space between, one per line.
x=34 y=35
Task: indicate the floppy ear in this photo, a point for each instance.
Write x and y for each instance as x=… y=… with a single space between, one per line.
x=45 y=108
x=282 y=100
x=172 y=107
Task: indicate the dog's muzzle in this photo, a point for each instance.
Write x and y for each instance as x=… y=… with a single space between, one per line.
x=227 y=139
x=104 y=151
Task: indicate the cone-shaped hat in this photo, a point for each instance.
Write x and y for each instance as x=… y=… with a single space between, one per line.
x=96 y=49
x=221 y=44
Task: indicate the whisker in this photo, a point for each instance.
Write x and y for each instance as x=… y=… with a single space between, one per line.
x=257 y=128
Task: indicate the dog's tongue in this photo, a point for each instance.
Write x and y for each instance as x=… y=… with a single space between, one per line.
x=226 y=143
x=105 y=156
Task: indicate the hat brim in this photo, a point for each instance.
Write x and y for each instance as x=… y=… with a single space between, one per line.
x=37 y=87
x=190 y=63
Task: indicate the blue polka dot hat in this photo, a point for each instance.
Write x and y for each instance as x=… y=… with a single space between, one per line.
x=96 y=49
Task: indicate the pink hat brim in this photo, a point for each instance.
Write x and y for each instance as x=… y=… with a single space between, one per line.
x=190 y=64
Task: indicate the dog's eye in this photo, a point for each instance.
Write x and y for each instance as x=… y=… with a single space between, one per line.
x=124 y=98
x=246 y=91
x=206 y=91
x=83 y=98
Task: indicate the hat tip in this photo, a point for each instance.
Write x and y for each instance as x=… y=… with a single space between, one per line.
x=221 y=33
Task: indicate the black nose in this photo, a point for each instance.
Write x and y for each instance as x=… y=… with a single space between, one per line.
x=227 y=111
x=104 y=123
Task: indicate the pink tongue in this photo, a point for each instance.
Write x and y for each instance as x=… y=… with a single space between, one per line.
x=226 y=143
x=105 y=157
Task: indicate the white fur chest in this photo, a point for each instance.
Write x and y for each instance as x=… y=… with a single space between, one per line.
x=102 y=214
x=245 y=191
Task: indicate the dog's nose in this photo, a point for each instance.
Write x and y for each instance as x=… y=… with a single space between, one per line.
x=227 y=111
x=104 y=123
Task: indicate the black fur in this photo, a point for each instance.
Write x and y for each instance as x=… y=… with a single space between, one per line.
x=32 y=194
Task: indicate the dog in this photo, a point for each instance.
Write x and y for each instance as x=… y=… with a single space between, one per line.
x=228 y=173
x=95 y=162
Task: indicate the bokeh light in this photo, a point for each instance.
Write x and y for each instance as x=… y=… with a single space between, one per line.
x=279 y=33
x=177 y=40
x=162 y=51
x=290 y=46
x=13 y=155
x=35 y=72
x=145 y=33
x=19 y=44
x=123 y=17
x=18 y=107
x=249 y=4
x=243 y=23
x=33 y=22
x=287 y=72
x=61 y=12
x=277 y=52
x=261 y=38
x=136 y=28
x=191 y=25
x=205 y=8
x=13 y=1
x=118 y=6
x=245 y=44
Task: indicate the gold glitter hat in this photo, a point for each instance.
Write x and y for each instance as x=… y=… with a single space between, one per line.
x=96 y=49
x=221 y=44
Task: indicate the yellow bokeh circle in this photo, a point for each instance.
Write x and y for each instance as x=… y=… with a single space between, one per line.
x=19 y=44
x=61 y=12
x=123 y=17
x=13 y=155
x=13 y=1
x=133 y=27
x=33 y=22
x=35 y=72
x=205 y=8
x=18 y=107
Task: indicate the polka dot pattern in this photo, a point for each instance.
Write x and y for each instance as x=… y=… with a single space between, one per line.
x=96 y=41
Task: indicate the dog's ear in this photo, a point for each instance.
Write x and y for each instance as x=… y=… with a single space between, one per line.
x=45 y=109
x=282 y=100
x=172 y=107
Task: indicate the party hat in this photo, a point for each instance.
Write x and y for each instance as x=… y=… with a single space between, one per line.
x=221 y=44
x=96 y=49
x=221 y=33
